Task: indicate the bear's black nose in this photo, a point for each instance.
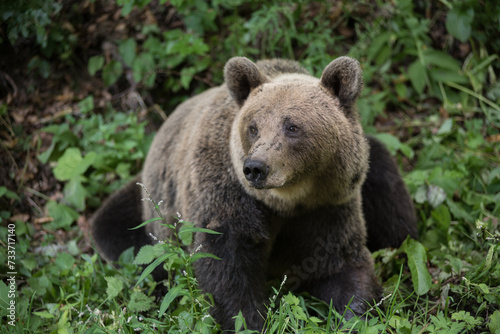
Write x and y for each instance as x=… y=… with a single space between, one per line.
x=255 y=170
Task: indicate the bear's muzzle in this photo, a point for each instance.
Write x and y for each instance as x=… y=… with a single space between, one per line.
x=256 y=172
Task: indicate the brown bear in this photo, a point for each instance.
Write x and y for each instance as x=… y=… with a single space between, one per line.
x=276 y=160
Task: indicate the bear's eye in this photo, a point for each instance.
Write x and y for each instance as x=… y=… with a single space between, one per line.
x=253 y=130
x=292 y=129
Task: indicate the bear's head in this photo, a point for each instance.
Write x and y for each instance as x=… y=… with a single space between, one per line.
x=296 y=141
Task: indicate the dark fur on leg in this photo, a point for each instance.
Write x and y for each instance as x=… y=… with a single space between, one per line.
x=112 y=222
x=387 y=205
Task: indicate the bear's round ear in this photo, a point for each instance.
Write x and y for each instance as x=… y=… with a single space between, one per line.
x=242 y=76
x=343 y=78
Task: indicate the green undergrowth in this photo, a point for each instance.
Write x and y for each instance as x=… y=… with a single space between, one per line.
x=433 y=104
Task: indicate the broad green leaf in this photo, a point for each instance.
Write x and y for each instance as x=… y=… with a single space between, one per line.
x=292 y=299
x=484 y=288
x=416 y=73
x=449 y=180
x=127 y=256
x=401 y=90
x=446 y=127
x=489 y=257
x=127 y=51
x=399 y=323
x=468 y=318
x=115 y=286
x=123 y=170
x=75 y=193
x=186 y=235
x=86 y=105
x=139 y=302
x=407 y=151
x=421 y=194
x=65 y=261
x=169 y=298
x=391 y=142
x=239 y=322
x=8 y=193
x=458 y=211
x=145 y=255
x=112 y=72
x=87 y=161
x=127 y=6
x=62 y=214
x=441 y=59
x=417 y=260
x=445 y=75
x=44 y=314
x=67 y=164
x=494 y=324
x=187 y=76
x=378 y=43
x=458 y=23
x=39 y=284
x=71 y=164
x=143 y=67
x=95 y=64
x=44 y=156
x=442 y=217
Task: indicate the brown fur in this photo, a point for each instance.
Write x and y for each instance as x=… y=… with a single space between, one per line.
x=275 y=160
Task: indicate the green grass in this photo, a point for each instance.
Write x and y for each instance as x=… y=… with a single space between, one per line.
x=434 y=105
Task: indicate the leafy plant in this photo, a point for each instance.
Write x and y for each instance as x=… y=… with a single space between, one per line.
x=192 y=308
x=26 y=18
x=34 y=19
x=113 y=143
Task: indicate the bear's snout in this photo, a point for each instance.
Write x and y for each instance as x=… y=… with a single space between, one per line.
x=256 y=172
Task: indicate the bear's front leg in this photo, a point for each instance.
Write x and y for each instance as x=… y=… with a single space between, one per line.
x=353 y=286
x=237 y=280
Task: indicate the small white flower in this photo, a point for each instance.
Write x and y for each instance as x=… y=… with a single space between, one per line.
x=480 y=224
x=197 y=249
x=383 y=299
x=284 y=280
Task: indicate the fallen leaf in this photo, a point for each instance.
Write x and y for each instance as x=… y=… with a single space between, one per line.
x=493 y=138
x=24 y=217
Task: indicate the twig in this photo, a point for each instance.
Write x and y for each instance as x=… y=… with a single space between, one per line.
x=11 y=82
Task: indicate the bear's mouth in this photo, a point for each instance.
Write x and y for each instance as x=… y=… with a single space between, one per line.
x=261 y=184
x=267 y=184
